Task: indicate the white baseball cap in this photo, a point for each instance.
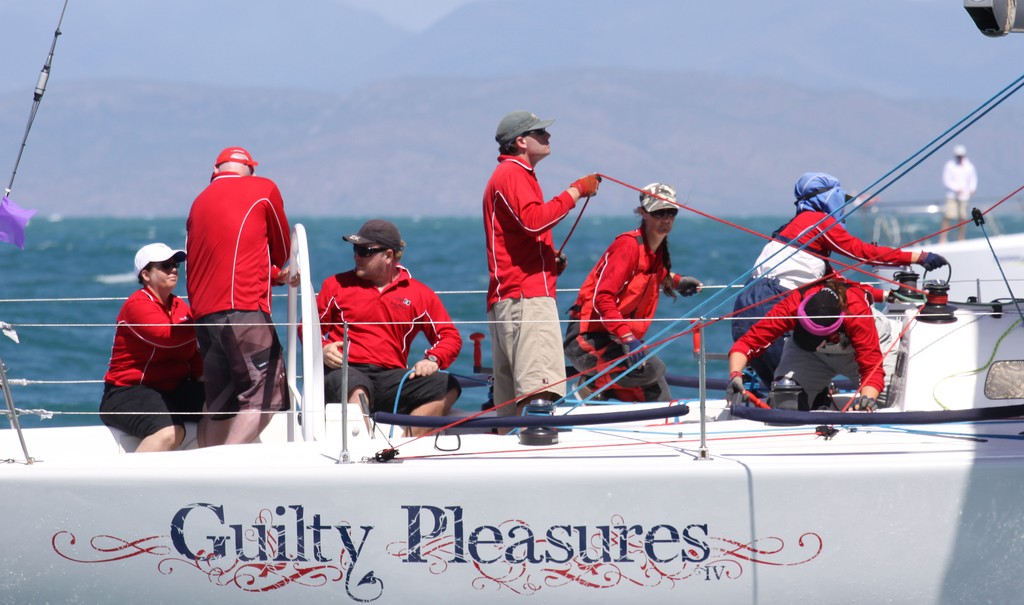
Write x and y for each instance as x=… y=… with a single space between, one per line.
x=156 y=253
x=960 y=150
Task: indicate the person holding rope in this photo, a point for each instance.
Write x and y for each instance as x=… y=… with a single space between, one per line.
x=155 y=366
x=524 y=266
x=238 y=242
x=384 y=309
x=618 y=300
x=836 y=330
x=781 y=267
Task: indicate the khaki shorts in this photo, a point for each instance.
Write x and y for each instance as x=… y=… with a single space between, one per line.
x=526 y=350
x=954 y=210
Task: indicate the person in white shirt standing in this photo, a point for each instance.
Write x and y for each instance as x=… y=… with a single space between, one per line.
x=961 y=180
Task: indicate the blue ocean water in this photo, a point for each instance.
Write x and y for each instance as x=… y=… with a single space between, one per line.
x=63 y=292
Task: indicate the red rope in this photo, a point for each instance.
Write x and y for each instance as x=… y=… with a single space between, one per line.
x=578 y=217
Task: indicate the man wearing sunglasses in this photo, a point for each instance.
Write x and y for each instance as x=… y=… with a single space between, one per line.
x=526 y=338
x=618 y=300
x=237 y=241
x=384 y=309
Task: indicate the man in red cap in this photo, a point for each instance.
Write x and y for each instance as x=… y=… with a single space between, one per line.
x=238 y=240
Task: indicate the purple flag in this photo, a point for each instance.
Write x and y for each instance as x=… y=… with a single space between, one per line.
x=13 y=219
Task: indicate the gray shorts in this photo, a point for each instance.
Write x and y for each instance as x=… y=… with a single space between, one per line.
x=243 y=363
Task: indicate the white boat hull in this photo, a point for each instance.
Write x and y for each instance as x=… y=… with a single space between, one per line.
x=777 y=515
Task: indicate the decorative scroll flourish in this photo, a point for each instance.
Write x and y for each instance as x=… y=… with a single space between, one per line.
x=224 y=571
x=718 y=559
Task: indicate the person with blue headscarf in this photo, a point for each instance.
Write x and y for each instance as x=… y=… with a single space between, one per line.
x=798 y=254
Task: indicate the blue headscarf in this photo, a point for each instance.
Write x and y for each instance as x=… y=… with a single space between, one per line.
x=821 y=192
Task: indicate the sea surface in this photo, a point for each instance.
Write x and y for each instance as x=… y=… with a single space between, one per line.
x=62 y=293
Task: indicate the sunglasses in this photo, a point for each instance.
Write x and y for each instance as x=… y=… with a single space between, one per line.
x=538 y=133
x=666 y=212
x=366 y=252
x=167 y=266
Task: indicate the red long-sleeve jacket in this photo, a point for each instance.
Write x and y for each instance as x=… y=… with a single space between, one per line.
x=858 y=325
x=517 y=224
x=620 y=295
x=383 y=323
x=153 y=345
x=238 y=239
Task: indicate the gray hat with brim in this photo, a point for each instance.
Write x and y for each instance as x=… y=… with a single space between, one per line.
x=658 y=196
x=377 y=231
x=517 y=123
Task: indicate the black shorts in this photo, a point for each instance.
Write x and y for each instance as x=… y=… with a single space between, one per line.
x=243 y=363
x=157 y=409
x=382 y=386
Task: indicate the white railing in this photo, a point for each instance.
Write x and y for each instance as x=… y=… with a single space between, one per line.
x=307 y=402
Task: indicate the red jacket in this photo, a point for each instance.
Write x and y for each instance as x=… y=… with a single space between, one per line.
x=835 y=238
x=623 y=285
x=383 y=324
x=238 y=238
x=858 y=325
x=153 y=345
x=517 y=224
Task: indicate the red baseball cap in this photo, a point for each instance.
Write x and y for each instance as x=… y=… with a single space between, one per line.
x=236 y=154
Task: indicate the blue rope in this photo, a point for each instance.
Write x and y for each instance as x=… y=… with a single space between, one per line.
x=922 y=154
x=398 y=395
x=980 y=222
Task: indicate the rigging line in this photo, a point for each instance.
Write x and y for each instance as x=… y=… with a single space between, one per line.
x=1018 y=84
x=44 y=76
x=970 y=119
x=578 y=217
x=939 y=143
x=979 y=220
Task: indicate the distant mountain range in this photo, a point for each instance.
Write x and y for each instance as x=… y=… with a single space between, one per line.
x=731 y=102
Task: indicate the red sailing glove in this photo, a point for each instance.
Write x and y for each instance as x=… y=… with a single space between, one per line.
x=587 y=186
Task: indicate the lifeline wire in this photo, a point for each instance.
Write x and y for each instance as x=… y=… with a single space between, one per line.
x=922 y=154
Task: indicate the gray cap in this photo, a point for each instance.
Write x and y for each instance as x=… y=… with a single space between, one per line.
x=666 y=197
x=516 y=124
x=377 y=231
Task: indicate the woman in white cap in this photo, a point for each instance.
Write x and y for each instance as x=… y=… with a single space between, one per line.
x=617 y=302
x=153 y=381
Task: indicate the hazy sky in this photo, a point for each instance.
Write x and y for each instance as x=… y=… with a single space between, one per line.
x=411 y=14
x=418 y=15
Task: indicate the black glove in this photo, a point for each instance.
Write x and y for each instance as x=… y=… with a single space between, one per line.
x=931 y=261
x=561 y=262
x=686 y=286
x=735 y=393
x=635 y=351
x=863 y=402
